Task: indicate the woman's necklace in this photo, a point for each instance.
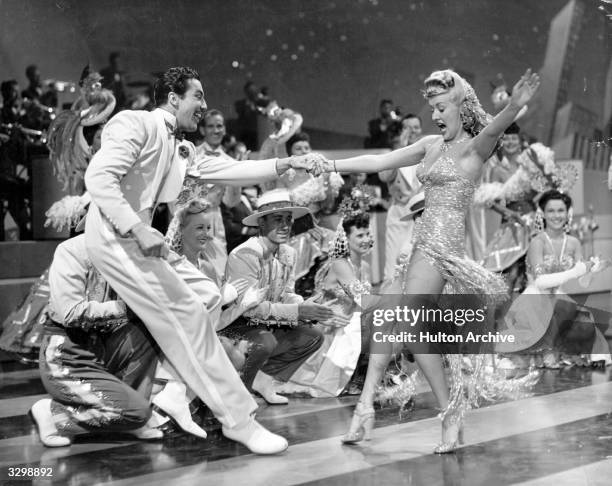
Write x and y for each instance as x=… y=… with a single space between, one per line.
x=563 y=245
x=446 y=146
x=356 y=269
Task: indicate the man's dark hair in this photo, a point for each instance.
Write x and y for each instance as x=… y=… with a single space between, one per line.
x=30 y=70
x=89 y=132
x=7 y=89
x=385 y=102
x=412 y=115
x=113 y=56
x=298 y=137
x=173 y=80
x=210 y=113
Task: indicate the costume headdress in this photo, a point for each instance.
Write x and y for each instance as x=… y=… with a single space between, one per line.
x=69 y=151
x=352 y=207
x=473 y=116
x=545 y=173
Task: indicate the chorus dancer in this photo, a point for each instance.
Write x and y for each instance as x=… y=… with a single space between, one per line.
x=543 y=319
x=96 y=359
x=450 y=166
x=23 y=328
x=141 y=164
x=340 y=282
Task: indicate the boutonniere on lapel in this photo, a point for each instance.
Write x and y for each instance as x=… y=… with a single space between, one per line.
x=285 y=257
x=183 y=151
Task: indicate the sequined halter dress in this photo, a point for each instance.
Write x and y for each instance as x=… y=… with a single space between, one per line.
x=440 y=233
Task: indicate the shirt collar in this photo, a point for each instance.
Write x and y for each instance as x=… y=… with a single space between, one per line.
x=168 y=117
x=208 y=148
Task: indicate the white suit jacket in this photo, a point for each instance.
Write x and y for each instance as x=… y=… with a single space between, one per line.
x=140 y=165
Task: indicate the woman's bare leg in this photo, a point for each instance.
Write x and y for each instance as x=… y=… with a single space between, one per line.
x=424 y=279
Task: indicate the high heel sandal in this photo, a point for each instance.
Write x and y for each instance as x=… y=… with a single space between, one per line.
x=454 y=420
x=361 y=425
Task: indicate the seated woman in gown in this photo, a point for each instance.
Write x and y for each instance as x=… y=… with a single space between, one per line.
x=544 y=320
x=341 y=282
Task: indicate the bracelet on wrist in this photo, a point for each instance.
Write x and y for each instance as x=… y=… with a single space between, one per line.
x=335 y=170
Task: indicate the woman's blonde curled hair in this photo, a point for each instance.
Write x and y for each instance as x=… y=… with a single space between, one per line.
x=473 y=116
x=174 y=235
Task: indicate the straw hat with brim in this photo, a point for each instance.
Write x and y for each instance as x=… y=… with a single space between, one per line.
x=274 y=201
x=416 y=205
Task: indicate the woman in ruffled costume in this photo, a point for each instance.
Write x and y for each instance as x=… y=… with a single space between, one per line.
x=71 y=147
x=518 y=179
x=543 y=319
x=506 y=252
x=68 y=149
x=310 y=240
x=341 y=281
x=74 y=136
x=450 y=166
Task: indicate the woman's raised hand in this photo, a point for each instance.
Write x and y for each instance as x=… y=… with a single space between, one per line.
x=524 y=89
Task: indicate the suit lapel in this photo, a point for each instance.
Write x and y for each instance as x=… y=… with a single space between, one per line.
x=173 y=183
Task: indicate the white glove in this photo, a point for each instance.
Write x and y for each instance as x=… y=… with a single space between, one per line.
x=552 y=280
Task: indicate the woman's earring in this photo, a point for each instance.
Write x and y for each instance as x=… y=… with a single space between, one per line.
x=538 y=222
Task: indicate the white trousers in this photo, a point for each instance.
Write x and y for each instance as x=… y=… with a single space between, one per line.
x=179 y=306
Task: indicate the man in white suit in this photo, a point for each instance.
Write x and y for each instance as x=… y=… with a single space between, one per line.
x=141 y=163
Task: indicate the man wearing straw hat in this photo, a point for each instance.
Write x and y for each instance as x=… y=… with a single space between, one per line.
x=278 y=326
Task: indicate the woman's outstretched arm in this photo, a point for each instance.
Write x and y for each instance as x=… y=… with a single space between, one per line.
x=410 y=155
x=523 y=91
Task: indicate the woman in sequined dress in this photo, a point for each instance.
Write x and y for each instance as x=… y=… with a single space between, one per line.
x=340 y=282
x=450 y=166
x=545 y=320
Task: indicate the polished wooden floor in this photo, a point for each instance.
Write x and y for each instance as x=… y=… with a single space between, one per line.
x=561 y=435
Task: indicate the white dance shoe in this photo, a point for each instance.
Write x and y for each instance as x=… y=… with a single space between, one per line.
x=147 y=432
x=264 y=385
x=47 y=431
x=173 y=401
x=256 y=438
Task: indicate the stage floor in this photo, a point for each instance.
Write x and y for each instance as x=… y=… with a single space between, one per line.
x=561 y=435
